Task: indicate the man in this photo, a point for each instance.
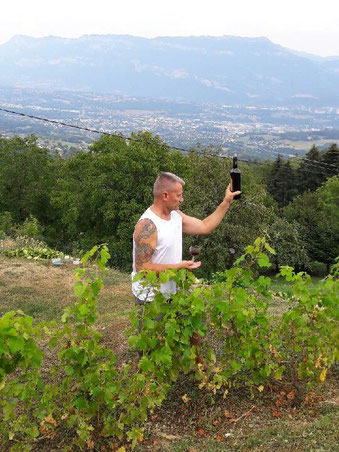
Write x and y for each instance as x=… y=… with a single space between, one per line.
x=157 y=239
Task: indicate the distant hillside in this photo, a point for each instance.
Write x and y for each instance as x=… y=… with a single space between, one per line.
x=225 y=70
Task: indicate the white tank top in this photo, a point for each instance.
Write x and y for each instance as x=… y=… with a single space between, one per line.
x=167 y=251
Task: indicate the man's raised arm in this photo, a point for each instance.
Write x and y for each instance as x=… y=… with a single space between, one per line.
x=191 y=225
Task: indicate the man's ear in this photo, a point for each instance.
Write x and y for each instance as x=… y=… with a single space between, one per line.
x=164 y=196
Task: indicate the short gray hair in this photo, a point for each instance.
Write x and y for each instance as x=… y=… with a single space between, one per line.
x=164 y=182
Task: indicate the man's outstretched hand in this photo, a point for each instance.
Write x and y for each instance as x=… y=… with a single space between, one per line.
x=191 y=265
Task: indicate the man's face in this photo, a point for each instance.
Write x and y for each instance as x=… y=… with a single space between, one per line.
x=174 y=197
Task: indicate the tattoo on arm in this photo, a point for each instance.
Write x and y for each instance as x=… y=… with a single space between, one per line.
x=147 y=230
x=144 y=251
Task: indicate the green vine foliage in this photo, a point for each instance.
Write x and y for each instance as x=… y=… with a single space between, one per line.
x=23 y=393
x=309 y=329
x=238 y=315
x=95 y=394
x=252 y=346
x=222 y=334
x=164 y=333
x=90 y=387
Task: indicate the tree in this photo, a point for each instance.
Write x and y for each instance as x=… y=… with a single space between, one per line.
x=317 y=213
x=286 y=239
x=328 y=201
x=330 y=160
x=310 y=173
x=26 y=178
x=102 y=194
x=281 y=183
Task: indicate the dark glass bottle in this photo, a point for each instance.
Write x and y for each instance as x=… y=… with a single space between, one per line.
x=235 y=177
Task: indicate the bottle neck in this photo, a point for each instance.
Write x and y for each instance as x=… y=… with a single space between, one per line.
x=235 y=162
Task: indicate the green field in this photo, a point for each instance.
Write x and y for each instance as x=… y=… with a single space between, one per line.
x=307 y=144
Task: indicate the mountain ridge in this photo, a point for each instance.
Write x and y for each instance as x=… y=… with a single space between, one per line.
x=224 y=70
x=309 y=55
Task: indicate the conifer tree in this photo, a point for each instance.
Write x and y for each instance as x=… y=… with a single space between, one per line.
x=330 y=160
x=309 y=174
x=282 y=184
x=273 y=179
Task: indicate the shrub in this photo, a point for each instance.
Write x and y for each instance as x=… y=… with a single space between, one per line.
x=317 y=268
x=31 y=228
x=6 y=222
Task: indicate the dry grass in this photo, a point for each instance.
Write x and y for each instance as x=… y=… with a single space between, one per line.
x=7 y=244
x=37 y=288
x=43 y=291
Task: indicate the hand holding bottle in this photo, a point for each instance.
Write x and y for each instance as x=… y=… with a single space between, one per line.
x=236 y=178
x=230 y=195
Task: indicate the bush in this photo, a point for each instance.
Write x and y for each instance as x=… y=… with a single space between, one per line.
x=6 y=223
x=20 y=356
x=31 y=228
x=316 y=268
x=29 y=248
x=34 y=253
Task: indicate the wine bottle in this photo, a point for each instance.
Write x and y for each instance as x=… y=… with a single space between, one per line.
x=235 y=177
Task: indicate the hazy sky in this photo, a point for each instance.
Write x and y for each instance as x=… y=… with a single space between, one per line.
x=308 y=25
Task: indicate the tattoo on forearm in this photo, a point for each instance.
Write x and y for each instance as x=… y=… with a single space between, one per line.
x=144 y=251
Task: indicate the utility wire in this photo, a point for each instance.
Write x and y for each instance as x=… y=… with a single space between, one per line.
x=292 y=156
x=320 y=163
x=319 y=169
x=122 y=137
x=117 y=135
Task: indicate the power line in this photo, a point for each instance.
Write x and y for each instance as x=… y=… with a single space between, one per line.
x=122 y=137
x=117 y=135
x=61 y=123
x=320 y=169
x=315 y=163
